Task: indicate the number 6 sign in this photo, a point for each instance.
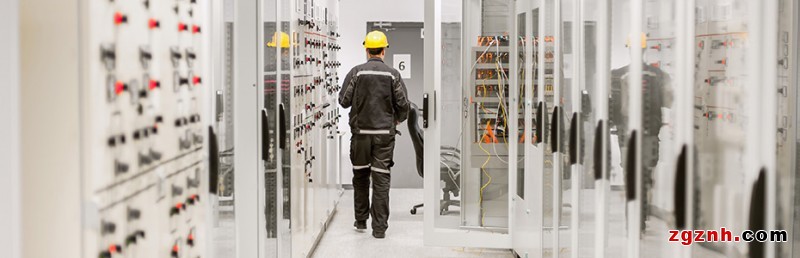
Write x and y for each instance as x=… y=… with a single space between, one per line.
x=403 y=65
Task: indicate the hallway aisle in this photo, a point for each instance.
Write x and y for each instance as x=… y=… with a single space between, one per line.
x=403 y=238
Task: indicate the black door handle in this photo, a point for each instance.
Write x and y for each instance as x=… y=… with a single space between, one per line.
x=213 y=161
x=282 y=127
x=554 y=141
x=758 y=218
x=681 y=190
x=264 y=134
x=539 y=122
x=573 y=139
x=630 y=168
x=425 y=110
x=598 y=151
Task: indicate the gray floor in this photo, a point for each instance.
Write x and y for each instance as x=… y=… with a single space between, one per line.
x=403 y=238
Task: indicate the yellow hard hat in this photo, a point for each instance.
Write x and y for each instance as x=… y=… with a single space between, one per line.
x=644 y=41
x=376 y=39
x=284 y=39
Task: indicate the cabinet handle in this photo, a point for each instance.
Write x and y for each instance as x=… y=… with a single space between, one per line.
x=554 y=130
x=573 y=139
x=425 y=110
x=264 y=134
x=758 y=207
x=540 y=122
x=213 y=161
x=630 y=168
x=282 y=126
x=680 y=190
x=598 y=151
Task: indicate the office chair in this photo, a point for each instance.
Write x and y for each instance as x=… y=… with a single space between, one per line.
x=450 y=169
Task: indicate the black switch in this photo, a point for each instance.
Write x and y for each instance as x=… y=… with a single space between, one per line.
x=120 y=167
x=155 y=155
x=176 y=190
x=134 y=214
x=107 y=228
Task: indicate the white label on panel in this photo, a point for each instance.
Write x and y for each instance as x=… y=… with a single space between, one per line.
x=403 y=65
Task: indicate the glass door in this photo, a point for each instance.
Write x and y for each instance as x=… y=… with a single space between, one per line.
x=586 y=140
x=547 y=113
x=524 y=234
x=663 y=155
x=275 y=44
x=468 y=172
x=223 y=216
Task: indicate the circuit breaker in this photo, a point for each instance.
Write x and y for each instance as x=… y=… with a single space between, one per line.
x=144 y=96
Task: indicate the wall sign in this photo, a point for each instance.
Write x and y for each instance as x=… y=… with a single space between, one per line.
x=403 y=65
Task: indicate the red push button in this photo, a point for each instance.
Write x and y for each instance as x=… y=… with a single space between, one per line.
x=153 y=23
x=154 y=84
x=197 y=80
x=119 y=87
x=175 y=250
x=182 y=27
x=112 y=249
x=195 y=29
x=120 y=18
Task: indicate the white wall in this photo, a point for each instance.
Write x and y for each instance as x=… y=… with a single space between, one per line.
x=353 y=18
x=9 y=130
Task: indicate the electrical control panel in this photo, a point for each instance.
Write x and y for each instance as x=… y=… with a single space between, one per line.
x=310 y=100
x=144 y=98
x=720 y=112
x=488 y=136
x=314 y=84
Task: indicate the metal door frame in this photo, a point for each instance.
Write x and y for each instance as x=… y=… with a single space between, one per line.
x=246 y=187
x=523 y=228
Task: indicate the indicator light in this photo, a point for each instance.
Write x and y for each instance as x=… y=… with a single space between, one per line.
x=120 y=18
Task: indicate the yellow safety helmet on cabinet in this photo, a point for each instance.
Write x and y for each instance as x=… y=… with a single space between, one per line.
x=376 y=39
x=643 y=41
x=284 y=39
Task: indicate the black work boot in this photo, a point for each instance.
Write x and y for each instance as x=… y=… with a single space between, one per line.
x=378 y=235
x=360 y=225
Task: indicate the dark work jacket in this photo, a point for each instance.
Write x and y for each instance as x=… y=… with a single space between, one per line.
x=376 y=96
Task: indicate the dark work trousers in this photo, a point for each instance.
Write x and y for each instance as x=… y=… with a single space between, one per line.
x=371 y=156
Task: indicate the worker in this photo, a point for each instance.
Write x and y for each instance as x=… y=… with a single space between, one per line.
x=378 y=102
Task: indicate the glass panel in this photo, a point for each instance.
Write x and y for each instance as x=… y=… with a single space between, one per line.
x=720 y=121
x=224 y=227
x=566 y=73
x=274 y=73
x=616 y=231
x=588 y=117
x=481 y=177
x=786 y=136
x=659 y=150
x=550 y=207
x=451 y=150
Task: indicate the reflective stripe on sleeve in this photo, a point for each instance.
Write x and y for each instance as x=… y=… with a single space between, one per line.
x=375 y=73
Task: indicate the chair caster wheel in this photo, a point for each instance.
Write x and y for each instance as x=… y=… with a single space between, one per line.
x=413 y=211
